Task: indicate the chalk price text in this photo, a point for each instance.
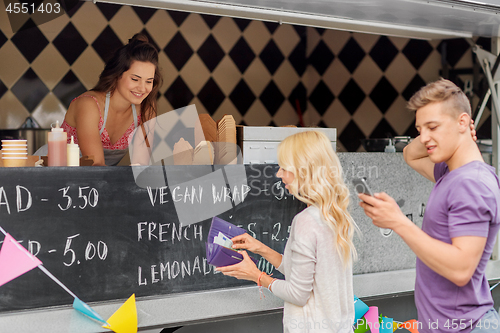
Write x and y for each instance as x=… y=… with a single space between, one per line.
x=90 y=198
x=91 y=250
x=87 y=197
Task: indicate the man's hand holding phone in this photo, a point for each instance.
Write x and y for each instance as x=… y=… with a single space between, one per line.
x=361 y=186
x=380 y=207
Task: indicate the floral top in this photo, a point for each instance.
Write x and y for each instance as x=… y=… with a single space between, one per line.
x=122 y=143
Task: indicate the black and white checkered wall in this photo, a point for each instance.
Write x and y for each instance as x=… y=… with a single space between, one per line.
x=261 y=73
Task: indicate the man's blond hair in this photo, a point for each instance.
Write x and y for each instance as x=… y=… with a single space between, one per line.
x=441 y=90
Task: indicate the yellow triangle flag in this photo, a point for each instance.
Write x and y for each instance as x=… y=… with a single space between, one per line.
x=124 y=320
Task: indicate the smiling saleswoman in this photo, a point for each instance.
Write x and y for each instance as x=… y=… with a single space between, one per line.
x=103 y=119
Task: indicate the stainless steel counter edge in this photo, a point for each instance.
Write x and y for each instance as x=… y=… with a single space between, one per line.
x=199 y=307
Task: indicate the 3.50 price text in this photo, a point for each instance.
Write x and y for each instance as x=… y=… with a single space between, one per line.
x=88 y=196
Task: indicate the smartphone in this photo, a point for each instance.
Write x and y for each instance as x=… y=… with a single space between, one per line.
x=361 y=186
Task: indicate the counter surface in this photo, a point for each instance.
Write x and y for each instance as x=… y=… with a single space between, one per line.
x=200 y=307
x=385 y=267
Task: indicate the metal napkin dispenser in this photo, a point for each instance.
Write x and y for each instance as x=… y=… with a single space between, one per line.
x=259 y=144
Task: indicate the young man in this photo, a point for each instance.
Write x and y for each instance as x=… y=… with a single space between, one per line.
x=461 y=220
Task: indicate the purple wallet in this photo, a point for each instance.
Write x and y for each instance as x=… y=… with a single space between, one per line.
x=218 y=255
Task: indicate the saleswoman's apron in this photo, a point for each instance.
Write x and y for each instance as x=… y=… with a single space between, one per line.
x=114 y=156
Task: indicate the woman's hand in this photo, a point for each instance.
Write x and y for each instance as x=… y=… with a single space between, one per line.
x=245 y=270
x=247 y=242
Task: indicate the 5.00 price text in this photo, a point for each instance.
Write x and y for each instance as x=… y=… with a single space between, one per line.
x=91 y=250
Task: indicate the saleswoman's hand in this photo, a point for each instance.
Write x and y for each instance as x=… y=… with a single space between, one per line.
x=245 y=270
x=247 y=242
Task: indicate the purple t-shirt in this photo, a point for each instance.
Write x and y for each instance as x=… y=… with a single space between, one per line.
x=463 y=202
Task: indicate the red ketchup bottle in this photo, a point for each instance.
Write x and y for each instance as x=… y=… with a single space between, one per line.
x=57 y=139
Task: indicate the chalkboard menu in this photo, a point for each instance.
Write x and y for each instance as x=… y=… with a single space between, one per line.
x=105 y=237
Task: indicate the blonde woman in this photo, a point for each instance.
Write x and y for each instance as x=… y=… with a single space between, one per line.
x=317 y=263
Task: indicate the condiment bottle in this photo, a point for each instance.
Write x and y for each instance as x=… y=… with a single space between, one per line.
x=390 y=148
x=73 y=153
x=57 y=140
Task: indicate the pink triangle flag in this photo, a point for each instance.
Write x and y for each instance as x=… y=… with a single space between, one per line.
x=15 y=260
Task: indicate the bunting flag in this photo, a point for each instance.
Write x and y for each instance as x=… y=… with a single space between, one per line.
x=362 y=326
x=15 y=260
x=87 y=310
x=372 y=319
x=387 y=325
x=360 y=308
x=410 y=325
x=124 y=320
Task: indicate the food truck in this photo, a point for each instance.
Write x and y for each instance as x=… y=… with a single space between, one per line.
x=104 y=237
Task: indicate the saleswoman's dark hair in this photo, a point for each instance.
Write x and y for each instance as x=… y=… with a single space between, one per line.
x=138 y=49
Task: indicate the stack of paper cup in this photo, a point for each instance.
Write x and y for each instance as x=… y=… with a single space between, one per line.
x=14 y=153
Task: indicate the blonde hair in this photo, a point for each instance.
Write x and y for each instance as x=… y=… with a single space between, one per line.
x=318 y=181
x=441 y=91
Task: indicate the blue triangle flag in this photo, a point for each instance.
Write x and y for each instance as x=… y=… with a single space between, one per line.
x=360 y=308
x=87 y=310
